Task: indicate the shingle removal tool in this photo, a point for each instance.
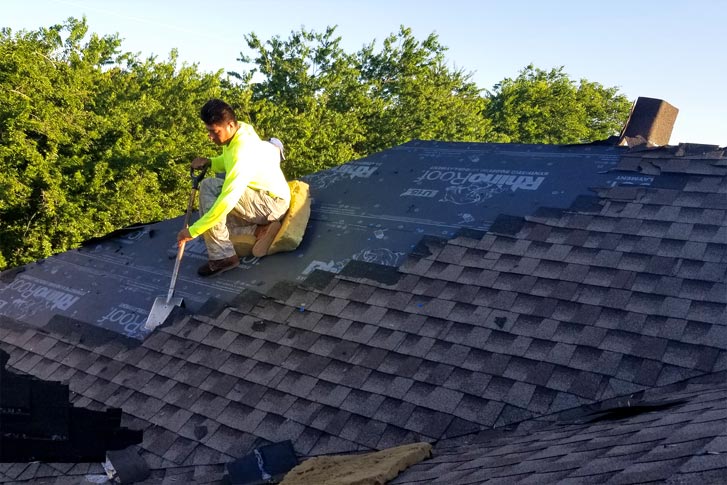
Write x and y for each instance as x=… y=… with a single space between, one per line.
x=163 y=306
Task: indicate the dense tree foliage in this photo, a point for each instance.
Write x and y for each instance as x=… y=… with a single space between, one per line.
x=334 y=106
x=90 y=139
x=93 y=139
x=547 y=107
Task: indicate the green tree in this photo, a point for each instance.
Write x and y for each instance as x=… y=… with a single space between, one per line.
x=331 y=107
x=547 y=107
x=310 y=97
x=93 y=139
x=417 y=96
x=90 y=139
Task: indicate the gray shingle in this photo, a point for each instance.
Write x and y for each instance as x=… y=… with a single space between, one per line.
x=365 y=403
x=428 y=422
x=432 y=372
x=470 y=382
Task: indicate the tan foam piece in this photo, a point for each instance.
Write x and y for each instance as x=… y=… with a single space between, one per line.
x=367 y=469
x=243 y=244
x=295 y=221
x=292 y=226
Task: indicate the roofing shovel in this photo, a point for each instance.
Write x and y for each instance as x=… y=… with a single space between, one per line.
x=163 y=307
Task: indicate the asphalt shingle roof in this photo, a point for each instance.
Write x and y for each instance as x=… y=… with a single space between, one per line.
x=681 y=442
x=617 y=295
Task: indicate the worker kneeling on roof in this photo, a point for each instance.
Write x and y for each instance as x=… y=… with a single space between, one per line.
x=254 y=189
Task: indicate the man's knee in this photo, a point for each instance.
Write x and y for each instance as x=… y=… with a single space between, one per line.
x=209 y=189
x=210 y=184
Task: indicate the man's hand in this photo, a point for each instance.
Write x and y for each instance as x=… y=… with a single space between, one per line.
x=200 y=162
x=184 y=236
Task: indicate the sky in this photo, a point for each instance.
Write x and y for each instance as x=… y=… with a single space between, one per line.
x=667 y=49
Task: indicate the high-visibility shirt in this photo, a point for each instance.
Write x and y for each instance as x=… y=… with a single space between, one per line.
x=247 y=161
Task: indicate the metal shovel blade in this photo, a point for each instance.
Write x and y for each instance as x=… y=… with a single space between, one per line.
x=161 y=309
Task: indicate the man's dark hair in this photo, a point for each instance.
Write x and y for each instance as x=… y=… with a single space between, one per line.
x=216 y=111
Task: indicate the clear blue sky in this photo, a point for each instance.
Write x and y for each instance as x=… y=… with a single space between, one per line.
x=668 y=49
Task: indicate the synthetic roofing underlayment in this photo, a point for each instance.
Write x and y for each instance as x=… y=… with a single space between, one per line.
x=375 y=209
x=441 y=290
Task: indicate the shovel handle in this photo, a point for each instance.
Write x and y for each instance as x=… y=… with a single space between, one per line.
x=196 y=179
x=177 y=263
x=195 y=186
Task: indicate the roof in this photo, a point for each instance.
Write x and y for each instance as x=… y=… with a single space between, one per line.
x=674 y=434
x=433 y=188
x=573 y=299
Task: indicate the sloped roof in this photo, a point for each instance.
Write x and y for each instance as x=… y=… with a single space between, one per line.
x=618 y=291
x=674 y=434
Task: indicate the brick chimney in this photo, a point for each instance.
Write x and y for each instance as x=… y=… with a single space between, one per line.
x=650 y=122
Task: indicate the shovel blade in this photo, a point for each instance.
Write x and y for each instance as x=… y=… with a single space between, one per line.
x=160 y=311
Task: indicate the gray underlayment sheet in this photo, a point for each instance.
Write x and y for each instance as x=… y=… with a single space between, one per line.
x=375 y=210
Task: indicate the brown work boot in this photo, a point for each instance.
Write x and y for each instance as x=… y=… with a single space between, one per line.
x=265 y=237
x=216 y=266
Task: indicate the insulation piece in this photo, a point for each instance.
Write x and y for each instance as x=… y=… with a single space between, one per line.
x=292 y=226
x=366 y=469
x=295 y=221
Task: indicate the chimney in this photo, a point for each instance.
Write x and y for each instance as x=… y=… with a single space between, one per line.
x=650 y=122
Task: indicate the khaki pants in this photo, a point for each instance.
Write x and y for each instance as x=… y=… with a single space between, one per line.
x=254 y=208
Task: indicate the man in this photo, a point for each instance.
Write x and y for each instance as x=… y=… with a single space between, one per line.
x=254 y=193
